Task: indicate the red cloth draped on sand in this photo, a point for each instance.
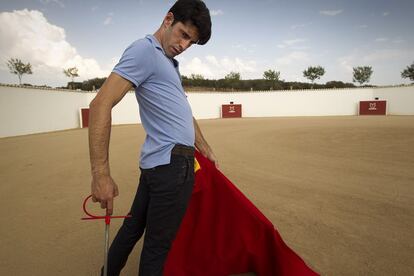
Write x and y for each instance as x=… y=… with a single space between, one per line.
x=223 y=233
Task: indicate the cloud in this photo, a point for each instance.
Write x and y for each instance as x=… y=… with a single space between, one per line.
x=357 y=57
x=292 y=65
x=213 y=60
x=197 y=66
x=388 y=54
x=330 y=12
x=216 y=12
x=57 y=2
x=381 y=39
x=391 y=59
x=290 y=43
x=26 y=34
x=347 y=62
x=246 y=48
x=398 y=41
x=386 y=13
x=216 y=68
x=293 y=41
x=293 y=57
x=108 y=19
x=363 y=26
x=297 y=26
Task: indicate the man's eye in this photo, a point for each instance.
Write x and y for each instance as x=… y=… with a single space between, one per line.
x=185 y=36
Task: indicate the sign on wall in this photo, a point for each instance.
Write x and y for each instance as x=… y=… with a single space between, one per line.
x=231 y=111
x=372 y=107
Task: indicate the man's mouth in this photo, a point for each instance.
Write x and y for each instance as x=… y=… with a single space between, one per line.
x=176 y=51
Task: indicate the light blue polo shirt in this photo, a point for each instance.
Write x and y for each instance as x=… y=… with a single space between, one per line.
x=163 y=106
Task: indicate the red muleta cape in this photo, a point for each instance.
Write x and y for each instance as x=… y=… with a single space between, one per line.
x=223 y=233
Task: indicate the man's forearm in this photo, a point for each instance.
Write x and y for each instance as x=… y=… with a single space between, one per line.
x=200 y=143
x=103 y=187
x=99 y=136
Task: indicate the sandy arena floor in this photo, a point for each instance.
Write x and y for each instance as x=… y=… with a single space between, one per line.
x=340 y=190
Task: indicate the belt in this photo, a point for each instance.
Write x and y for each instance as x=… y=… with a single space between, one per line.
x=183 y=150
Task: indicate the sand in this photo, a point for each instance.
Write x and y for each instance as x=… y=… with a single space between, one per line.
x=340 y=190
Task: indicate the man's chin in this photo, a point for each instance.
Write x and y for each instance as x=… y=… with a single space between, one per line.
x=170 y=55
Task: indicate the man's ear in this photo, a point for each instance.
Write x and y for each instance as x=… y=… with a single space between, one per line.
x=168 y=20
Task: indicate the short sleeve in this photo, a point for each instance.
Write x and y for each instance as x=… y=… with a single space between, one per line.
x=135 y=64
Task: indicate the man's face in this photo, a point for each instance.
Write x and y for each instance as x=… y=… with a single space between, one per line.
x=178 y=37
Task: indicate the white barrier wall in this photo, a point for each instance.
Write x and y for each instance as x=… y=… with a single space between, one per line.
x=288 y=103
x=399 y=101
x=323 y=102
x=125 y=112
x=26 y=110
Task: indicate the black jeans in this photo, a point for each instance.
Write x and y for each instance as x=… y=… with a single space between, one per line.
x=159 y=206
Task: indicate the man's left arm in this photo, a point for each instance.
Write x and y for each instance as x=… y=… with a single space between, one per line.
x=202 y=145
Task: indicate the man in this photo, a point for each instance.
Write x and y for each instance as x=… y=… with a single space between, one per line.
x=167 y=155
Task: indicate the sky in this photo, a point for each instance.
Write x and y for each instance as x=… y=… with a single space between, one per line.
x=248 y=36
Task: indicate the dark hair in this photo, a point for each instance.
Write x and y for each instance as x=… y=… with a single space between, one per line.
x=196 y=13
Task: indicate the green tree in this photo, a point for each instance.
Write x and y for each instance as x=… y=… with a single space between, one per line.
x=313 y=73
x=92 y=84
x=195 y=80
x=71 y=73
x=408 y=73
x=196 y=77
x=338 y=84
x=235 y=76
x=362 y=74
x=272 y=76
x=16 y=66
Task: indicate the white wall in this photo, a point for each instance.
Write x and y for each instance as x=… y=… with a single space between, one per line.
x=286 y=103
x=324 y=102
x=26 y=110
x=125 y=112
x=399 y=101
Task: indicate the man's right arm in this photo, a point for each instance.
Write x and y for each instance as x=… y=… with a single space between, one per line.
x=112 y=91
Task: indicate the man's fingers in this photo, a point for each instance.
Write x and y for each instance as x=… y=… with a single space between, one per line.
x=104 y=189
x=109 y=207
x=213 y=159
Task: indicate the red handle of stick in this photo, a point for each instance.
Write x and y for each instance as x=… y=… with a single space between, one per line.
x=91 y=217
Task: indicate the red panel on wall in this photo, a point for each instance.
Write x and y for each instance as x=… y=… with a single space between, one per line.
x=85 y=117
x=231 y=111
x=372 y=107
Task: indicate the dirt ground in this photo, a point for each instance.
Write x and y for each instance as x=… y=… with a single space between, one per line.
x=340 y=190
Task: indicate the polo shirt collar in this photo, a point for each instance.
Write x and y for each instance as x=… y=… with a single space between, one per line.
x=157 y=45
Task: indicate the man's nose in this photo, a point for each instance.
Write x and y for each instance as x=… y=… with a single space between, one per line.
x=184 y=44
